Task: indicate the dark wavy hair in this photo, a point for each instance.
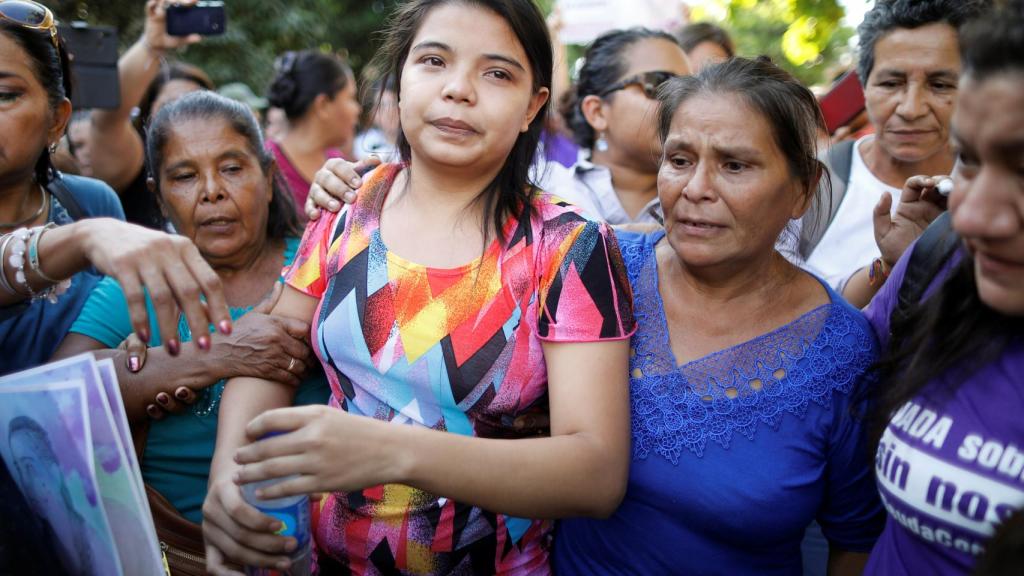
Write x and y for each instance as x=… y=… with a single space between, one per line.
x=892 y=14
x=52 y=69
x=512 y=189
x=693 y=35
x=302 y=76
x=283 y=220
x=604 y=64
x=948 y=336
x=783 y=101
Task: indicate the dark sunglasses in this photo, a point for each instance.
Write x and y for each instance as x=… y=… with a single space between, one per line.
x=649 y=82
x=31 y=15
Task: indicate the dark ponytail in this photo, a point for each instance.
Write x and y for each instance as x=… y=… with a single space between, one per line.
x=603 y=65
x=52 y=70
x=302 y=76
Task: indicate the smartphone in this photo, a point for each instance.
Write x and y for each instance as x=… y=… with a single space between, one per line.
x=203 y=18
x=843 y=102
x=93 y=51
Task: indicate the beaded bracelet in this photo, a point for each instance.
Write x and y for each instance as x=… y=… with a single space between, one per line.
x=17 y=259
x=23 y=239
x=4 y=283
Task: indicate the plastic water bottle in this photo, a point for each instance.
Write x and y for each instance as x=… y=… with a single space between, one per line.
x=293 y=513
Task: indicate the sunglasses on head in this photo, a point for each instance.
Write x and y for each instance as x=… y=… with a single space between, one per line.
x=31 y=15
x=649 y=82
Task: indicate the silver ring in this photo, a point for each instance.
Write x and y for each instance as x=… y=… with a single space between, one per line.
x=291 y=364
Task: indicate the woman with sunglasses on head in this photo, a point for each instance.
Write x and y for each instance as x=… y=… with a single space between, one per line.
x=53 y=226
x=743 y=366
x=449 y=299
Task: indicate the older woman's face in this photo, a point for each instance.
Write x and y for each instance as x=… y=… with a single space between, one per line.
x=724 y=185
x=214 y=189
x=987 y=203
x=912 y=89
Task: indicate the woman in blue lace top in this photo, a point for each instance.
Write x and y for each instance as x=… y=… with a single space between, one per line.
x=743 y=365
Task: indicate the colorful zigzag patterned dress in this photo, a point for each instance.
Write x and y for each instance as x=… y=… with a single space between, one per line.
x=457 y=350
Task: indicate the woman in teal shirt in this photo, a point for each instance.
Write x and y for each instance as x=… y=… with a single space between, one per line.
x=217 y=185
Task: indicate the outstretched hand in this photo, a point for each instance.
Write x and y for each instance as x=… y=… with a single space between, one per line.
x=170 y=268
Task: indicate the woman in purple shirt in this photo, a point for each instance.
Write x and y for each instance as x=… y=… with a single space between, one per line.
x=950 y=452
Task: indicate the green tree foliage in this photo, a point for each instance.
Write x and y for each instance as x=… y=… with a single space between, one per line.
x=258 y=31
x=804 y=36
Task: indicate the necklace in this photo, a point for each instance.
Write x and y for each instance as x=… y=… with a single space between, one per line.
x=30 y=217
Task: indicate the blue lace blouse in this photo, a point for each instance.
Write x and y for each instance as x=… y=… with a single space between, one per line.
x=734 y=454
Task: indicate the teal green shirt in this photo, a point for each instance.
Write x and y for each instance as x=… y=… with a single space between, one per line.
x=179 y=448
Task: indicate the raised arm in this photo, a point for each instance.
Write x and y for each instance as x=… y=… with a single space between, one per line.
x=118 y=154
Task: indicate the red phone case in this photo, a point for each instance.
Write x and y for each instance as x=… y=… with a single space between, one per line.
x=843 y=102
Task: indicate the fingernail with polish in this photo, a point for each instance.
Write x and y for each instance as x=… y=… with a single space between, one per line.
x=203 y=342
x=173 y=346
x=153 y=411
x=225 y=327
x=144 y=335
x=163 y=398
x=182 y=394
x=133 y=363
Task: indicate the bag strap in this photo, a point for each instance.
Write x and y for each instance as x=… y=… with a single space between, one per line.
x=930 y=254
x=839 y=164
x=60 y=191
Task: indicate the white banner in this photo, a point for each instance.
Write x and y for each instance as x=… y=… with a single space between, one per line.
x=584 y=20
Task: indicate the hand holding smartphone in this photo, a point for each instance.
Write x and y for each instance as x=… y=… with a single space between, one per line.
x=206 y=18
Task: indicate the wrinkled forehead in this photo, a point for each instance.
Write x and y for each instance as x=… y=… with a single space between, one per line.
x=927 y=49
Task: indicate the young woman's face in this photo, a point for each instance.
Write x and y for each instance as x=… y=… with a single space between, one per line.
x=213 y=188
x=27 y=122
x=466 y=89
x=987 y=203
x=628 y=118
x=725 y=187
